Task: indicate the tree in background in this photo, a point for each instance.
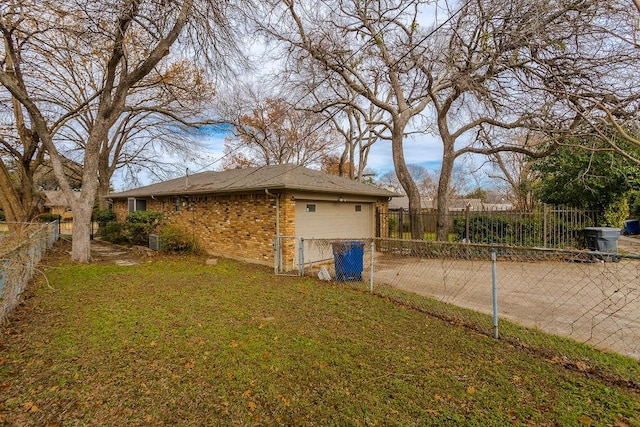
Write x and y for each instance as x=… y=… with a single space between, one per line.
x=425 y=179
x=276 y=132
x=588 y=174
x=515 y=174
x=504 y=68
x=369 y=47
x=123 y=42
x=152 y=133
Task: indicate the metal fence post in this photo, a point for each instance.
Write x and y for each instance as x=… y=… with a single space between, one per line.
x=276 y=254
x=301 y=257
x=371 y=272
x=544 y=225
x=494 y=293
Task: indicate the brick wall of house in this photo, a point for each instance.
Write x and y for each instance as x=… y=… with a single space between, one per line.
x=240 y=226
x=382 y=220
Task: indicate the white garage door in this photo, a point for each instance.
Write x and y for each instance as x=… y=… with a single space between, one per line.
x=330 y=220
x=322 y=220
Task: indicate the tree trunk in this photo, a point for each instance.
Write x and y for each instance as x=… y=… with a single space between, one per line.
x=9 y=199
x=84 y=203
x=442 y=220
x=104 y=180
x=407 y=182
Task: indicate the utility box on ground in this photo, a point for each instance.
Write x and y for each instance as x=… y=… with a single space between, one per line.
x=348 y=257
x=602 y=239
x=154 y=242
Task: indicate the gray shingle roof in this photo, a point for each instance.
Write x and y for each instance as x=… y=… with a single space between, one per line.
x=276 y=177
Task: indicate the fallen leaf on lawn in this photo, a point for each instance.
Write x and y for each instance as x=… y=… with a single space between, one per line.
x=153 y=344
x=29 y=407
x=585 y=420
x=582 y=367
x=252 y=406
x=148 y=418
x=471 y=389
x=262 y=325
x=438 y=397
x=285 y=402
x=246 y=394
x=432 y=412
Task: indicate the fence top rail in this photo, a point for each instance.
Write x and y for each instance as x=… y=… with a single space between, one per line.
x=559 y=251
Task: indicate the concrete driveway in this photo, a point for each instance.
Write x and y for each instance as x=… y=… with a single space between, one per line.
x=592 y=302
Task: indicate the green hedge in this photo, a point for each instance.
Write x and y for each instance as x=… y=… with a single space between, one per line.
x=134 y=231
x=518 y=231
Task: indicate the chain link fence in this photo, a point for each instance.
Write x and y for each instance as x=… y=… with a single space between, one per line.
x=590 y=297
x=21 y=248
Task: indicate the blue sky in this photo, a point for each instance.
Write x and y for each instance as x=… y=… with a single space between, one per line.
x=424 y=150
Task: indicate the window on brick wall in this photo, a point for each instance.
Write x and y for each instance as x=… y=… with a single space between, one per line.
x=137 y=204
x=358 y=208
x=311 y=208
x=176 y=204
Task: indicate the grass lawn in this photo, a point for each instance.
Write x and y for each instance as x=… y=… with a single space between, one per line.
x=177 y=342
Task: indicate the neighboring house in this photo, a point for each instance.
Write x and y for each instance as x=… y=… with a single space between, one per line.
x=428 y=204
x=238 y=213
x=56 y=204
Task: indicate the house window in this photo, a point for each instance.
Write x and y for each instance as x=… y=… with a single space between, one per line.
x=137 y=205
x=358 y=208
x=176 y=204
x=311 y=208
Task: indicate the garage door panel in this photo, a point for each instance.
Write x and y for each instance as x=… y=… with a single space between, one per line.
x=333 y=220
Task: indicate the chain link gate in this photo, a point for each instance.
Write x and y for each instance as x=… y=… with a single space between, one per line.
x=288 y=256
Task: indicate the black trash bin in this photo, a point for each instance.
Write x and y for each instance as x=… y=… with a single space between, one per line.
x=348 y=260
x=602 y=239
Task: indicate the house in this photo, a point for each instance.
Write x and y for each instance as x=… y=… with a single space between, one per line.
x=56 y=204
x=455 y=205
x=238 y=213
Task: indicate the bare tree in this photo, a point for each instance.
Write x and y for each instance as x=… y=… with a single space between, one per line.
x=369 y=47
x=357 y=120
x=125 y=41
x=20 y=156
x=156 y=123
x=270 y=130
x=425 y=179
x=507 y=67
x=515 y=174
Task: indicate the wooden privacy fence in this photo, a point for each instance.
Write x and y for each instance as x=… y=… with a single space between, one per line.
x=547 y=227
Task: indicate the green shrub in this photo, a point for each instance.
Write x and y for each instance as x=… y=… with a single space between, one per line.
x=393 y=224
x=140 y=224
x=114 y=232
x=173 y=239
x=616 y=213
x=134 y=231
x=499 y=229
x=103 y=217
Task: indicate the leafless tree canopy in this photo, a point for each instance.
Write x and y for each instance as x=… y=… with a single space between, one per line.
x=485 y=72
x=84 y=66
